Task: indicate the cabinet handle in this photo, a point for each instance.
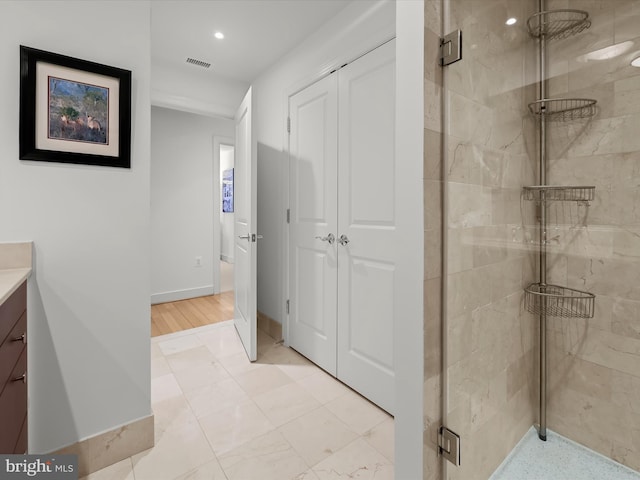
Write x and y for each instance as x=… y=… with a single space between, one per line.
x=22 y=378
x=22 y=338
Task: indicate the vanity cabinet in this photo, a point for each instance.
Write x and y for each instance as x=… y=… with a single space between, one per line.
x=13 y=372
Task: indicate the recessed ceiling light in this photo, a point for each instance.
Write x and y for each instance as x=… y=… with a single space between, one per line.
x=219 y=35
x=511 y=21
x=635 y=62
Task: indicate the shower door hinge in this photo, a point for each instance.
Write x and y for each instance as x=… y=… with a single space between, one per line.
x=287 y=307
x=288 y=124
x=288 y=215
x=449 y=445
x=451 y=48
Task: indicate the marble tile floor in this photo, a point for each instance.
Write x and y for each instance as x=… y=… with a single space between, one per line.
x=558 y=459
x=220 y=417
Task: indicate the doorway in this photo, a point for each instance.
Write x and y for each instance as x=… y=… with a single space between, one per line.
x=191 y=286
x=226 y=179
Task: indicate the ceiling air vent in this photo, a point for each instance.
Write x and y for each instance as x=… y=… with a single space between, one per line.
x=198 y=63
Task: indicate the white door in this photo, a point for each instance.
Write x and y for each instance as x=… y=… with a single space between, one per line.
x=342 y=294
x=313 y=222
x=245 y=230
x=367 y=218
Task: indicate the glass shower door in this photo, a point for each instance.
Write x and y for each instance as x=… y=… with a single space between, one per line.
x=540 y=181
x=490 y=396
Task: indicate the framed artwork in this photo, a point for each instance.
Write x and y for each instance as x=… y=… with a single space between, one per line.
x=74 y=111
x=227 y=191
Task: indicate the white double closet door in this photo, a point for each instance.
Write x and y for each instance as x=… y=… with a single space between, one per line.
x=343 y=246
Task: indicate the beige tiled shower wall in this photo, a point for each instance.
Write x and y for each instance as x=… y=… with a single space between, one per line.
x=432 y=236
x=594 y=385
x=491 y=155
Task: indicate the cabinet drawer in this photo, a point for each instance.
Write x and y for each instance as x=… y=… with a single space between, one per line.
x=12 y=309
x=11 y=349
x=13 y=406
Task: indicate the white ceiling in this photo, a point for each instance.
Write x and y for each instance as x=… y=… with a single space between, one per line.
x=257 y=33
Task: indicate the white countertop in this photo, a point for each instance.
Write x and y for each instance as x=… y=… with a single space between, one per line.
x=15 y=266
x=10 y=280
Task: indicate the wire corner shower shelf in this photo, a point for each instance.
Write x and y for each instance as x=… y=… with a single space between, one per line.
x=569 y=193
x=558 y=24
x=563 y=109
x=557 y=301
x=541 y=298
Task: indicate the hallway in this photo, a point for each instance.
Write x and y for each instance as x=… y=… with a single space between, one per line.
x=218 y=417
x=182 y=315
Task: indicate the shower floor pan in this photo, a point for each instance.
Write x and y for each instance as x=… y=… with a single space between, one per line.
x=558 y=459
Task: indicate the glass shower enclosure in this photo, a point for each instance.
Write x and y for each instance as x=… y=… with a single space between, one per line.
x=532 y=230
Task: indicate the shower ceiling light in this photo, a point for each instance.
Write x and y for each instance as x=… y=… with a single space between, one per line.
x=219 y=35
x=636 y=62
x=511 y=21
x=606 y=53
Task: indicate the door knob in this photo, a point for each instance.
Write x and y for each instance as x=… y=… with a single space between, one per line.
x=343 y=240
x=329 y=238
x=251 y=237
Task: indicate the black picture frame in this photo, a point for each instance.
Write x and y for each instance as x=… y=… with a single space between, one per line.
x=52 y=129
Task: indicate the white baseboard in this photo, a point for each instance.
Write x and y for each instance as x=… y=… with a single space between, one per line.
x=226 y=258
x=181 y=294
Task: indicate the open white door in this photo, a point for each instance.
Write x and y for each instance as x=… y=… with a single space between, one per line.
x=245 y=250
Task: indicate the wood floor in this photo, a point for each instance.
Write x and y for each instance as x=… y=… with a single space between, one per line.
x=195 y=312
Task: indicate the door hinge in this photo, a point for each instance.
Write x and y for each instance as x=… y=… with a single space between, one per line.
x=287 y=307
x=451 y=48
x=288 y=124
x=449 y=445
x=288 y=215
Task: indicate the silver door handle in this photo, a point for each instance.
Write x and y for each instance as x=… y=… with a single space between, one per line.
x=244 y=237
x=329 y=238
x=343 y=240
x=22 y=338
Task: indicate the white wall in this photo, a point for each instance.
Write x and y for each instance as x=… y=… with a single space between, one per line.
x=195 y=92
x=182 y=213
x=88 y=298
x=226 y=218
x=409 y=324
x=360 y=27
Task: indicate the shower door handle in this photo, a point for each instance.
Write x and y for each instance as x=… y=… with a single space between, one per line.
x=244 y=237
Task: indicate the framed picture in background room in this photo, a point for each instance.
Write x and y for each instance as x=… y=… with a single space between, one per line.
x=227 y=191
x=74 y=111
